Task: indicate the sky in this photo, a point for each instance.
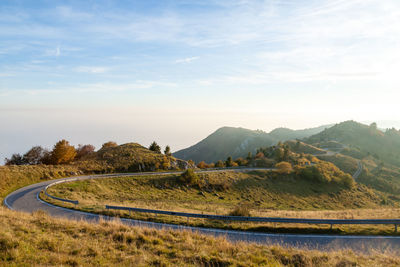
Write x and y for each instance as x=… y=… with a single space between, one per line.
x=175 y=71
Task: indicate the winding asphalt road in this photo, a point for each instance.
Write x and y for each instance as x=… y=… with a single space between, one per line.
x=27 y=199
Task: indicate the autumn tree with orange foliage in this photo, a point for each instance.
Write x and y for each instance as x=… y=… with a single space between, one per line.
x=62 y=153
x=202 y=165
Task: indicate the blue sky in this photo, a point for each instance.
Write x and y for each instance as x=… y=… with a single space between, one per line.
x=174 y=71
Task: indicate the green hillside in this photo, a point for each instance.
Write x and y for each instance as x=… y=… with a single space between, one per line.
x=237 y=142
x=363 y=140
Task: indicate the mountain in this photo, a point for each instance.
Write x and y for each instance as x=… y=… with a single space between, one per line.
x=237 y=142
x=289 y=134
x=362 y=140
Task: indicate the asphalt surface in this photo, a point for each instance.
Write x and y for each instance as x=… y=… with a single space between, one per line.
x=359 y=170
x=27 y=199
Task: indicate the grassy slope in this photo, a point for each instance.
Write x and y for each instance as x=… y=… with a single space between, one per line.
x=258 y=190
x=300 y=147
x=265 y=194
x=40 y=240
x=14 y=177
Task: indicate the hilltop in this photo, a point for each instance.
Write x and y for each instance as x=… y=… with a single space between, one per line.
x=130 y=157
x=237 y=142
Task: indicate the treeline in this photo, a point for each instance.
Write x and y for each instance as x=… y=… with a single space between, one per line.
x=264 y=157
x=156 y=148
x=62 y=153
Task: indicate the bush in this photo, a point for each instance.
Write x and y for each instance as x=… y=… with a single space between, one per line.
x=16 y=159
x=109 y=144
x=219 y=164
x=189 y=177
x=84 y=150
x=202 y=165
x=284 y=167
x=242 y=210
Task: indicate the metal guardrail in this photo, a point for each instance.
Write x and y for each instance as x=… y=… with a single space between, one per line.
x=330 y=222
x=76 y=202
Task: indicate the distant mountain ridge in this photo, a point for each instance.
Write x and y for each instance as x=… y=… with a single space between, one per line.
x=237 y=142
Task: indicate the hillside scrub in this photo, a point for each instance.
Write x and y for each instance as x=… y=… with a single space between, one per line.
x=39 y=240
x=326 y=172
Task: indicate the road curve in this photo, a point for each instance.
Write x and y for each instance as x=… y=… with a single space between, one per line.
x=27 y=199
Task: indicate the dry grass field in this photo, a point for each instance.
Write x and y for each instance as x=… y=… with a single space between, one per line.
x=38 y=240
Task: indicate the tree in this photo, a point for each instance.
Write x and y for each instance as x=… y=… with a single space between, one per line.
x=279 y=154
x=63 y=153
x=35 y=155
x=241 y=162
x=167 y=151
x=109 y=144
x=229 y=162
x=249 y=156
x=84 y=150
x=155 y=147
x=284 y=167
x=219 y=164
x=259 y=155
x=286 y=152
x=202 y=165
x=16 y=159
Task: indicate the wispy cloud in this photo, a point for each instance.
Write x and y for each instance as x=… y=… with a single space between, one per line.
x=92 y=69
x=186 y=60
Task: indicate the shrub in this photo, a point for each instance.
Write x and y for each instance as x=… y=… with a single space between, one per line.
x=242 y=210
x=241 y=162
x=16 y=159
x=202 y=165
x=109 y=144
x=84 y=150
x=219 y=164
x=189 y=177
x=284 y=167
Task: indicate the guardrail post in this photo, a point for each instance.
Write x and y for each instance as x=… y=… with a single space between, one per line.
x=395 y=228
x=331 y=226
